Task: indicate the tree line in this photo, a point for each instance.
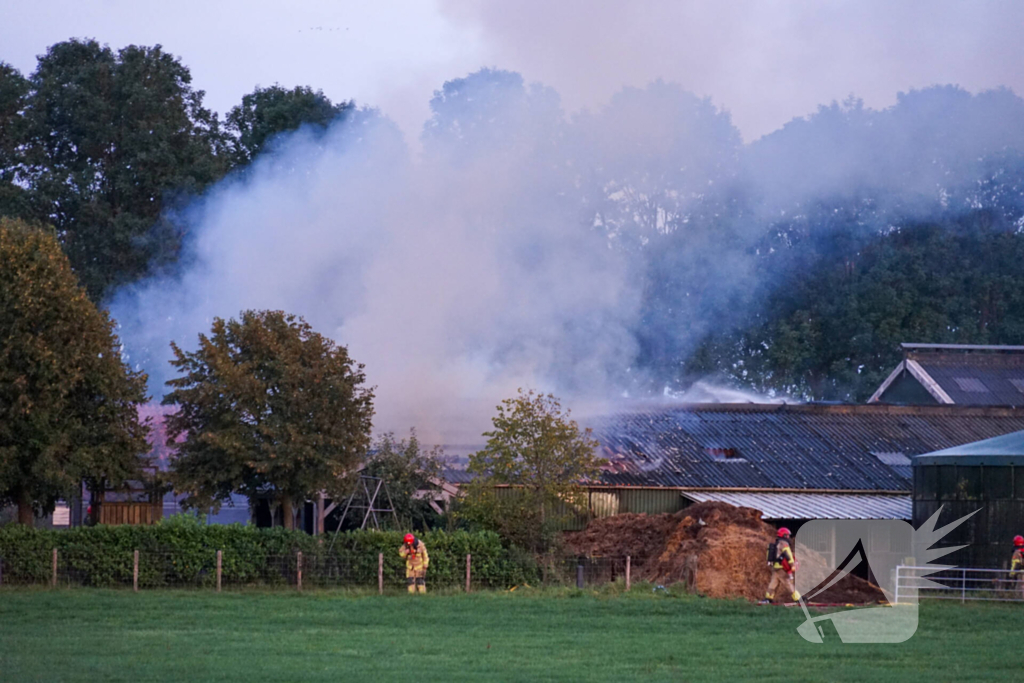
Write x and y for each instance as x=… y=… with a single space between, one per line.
x=265 y=407
x=736 y=247
x=105 y=146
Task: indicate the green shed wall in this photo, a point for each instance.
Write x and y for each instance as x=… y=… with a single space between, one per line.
x=608 y=502
x=997 y=493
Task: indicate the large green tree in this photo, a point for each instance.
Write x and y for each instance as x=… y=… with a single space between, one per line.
x=115 y=140
x=542 y=454
x=267 y=112
x=14 y=89
x=832 y=330
x=68 y=404
x=268 y=408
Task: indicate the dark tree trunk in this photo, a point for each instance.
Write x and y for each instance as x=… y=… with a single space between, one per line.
x=287 y=513
x=96 y=490
x=26 y=515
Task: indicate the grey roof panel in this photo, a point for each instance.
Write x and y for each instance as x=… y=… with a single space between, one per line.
x=789 y=447
x=1007 y=445
x=963 y=380
x=812 y=505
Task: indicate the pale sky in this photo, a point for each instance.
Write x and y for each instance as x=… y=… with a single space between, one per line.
x=765 y=61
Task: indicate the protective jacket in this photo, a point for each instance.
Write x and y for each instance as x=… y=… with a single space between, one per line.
x=1017 y=564
x=416 y=560
x=784 y=556
x=782 y=570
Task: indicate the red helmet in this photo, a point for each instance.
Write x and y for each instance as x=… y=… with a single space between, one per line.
x=410 y=539
x=783 y=532
x=1018 y=541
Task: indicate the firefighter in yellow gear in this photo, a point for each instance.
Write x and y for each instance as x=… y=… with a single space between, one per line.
x=1017 y=565
x=416 y=563
x=782 y=565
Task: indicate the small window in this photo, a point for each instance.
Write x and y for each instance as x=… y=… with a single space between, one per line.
x=971 y=385
x=1018 y=384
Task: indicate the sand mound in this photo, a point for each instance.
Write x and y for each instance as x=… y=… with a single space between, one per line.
x=716 y=548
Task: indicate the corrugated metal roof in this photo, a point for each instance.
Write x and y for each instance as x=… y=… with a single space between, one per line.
x=454 y=475
x=974 y=375
x=812 y=505
x=1001 y=450
x=959 y=347
x=785 y=447
x=969 y=385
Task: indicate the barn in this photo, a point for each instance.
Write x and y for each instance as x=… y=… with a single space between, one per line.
x=984 y=479
x=792 y=462
x=955 y=374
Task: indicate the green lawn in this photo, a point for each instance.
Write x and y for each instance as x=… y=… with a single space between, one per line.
x=97 y=635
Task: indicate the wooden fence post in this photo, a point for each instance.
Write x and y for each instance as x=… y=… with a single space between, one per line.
x=627 y=572
x=219 y=568
x=53 y=578
x=380 y=573
x=298 y=564
x=468 y=571
x=135 y=571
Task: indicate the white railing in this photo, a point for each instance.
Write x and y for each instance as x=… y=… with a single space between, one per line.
x=959 y=583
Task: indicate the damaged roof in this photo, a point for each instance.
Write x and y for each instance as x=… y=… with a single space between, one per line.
x=956 y=374
x=789 y=447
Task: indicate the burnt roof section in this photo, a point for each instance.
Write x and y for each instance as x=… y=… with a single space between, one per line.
x=789 y=447
x=957 y=374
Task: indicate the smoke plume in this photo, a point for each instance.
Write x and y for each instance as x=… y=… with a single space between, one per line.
x=524 y=248
x=455 y=278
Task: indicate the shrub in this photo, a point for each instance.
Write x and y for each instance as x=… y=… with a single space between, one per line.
x=182 y=550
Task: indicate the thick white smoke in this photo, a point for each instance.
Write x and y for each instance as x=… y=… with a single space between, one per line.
x=585 y=256
x=455 y=278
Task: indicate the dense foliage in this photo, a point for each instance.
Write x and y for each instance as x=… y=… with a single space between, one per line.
x=113 y=140
x=268 y=408
x=68 y=404
x=182 y=551
x=408 y=471
x=832 y=330
x=267 y=112
x=537 y=449
x=109 y=146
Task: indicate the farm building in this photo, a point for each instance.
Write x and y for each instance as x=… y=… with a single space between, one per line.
x=955 y=374
x=985 y=478
x=792 y=462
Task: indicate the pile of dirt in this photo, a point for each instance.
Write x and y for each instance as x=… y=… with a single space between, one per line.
x=715 y=548
x=851 y=590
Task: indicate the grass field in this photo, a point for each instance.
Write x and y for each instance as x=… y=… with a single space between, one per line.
x=96 y=635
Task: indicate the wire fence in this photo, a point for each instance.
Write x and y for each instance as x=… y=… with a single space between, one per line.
x=960 y=583
x=216 y=570
x=209 y=569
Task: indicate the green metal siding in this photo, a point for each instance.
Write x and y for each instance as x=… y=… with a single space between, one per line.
x=651 y=501
x=604 y=502
x=994 y=494
x=907 y=391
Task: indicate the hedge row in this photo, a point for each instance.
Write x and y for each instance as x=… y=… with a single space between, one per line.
x=182 y=550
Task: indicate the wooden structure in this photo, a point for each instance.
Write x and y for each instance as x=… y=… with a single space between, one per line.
x=131 y=512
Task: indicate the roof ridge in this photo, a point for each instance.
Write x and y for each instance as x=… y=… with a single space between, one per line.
x=818 y=408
